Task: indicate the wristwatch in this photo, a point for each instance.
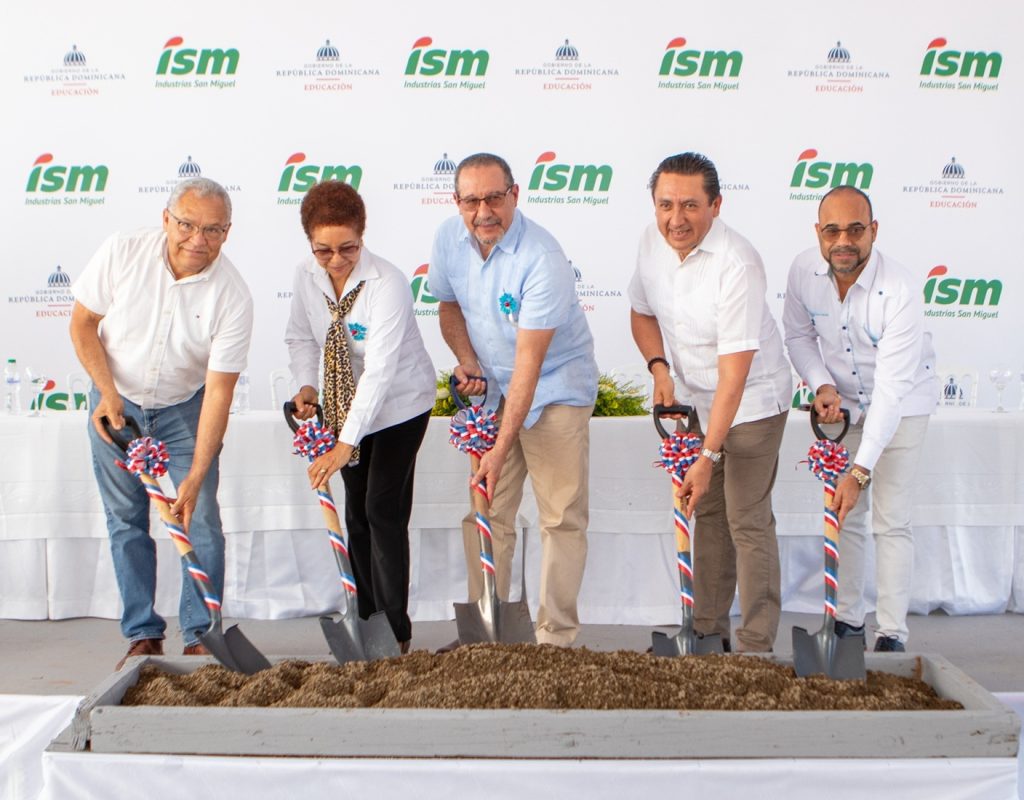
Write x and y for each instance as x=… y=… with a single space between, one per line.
x=711 y=455
x=862 y=478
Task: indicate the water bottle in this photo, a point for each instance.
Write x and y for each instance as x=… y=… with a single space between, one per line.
x=12 y=387
x=242 y=394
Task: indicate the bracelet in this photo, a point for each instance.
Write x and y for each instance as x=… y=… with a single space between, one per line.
x=657 y=360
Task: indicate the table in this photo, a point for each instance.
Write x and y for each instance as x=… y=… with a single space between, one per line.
x=54 y=559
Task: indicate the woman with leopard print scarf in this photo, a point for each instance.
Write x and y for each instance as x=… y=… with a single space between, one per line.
x=378 y=388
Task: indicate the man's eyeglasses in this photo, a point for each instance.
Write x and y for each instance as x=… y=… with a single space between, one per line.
x=494 y=201
x=853 y=232
x=212 y=233
x=346 y=251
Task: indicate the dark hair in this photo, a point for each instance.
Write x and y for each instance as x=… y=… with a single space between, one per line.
x=855 y=190
x=690 y=164
x=484 y=160
x=333 y=203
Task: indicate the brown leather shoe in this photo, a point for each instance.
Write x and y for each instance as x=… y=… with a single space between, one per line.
x=197 y=649
x=142 y=647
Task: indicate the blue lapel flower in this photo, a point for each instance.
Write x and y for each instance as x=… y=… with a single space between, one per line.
x=508 y=305
x=357 y=331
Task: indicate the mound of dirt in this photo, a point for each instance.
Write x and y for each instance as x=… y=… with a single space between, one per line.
x=536 y=676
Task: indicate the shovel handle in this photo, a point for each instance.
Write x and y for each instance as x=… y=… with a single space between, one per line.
x=184 y=547
x=339 y=542
x=289 y=414
x=482 y=508
x=453 y=382
x=817 y=428
x=692 y=421
x=120 y=437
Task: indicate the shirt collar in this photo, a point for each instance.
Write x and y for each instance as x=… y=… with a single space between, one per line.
x=864 y=280
x=165 y=262
x=713 y=241
x=365 y=270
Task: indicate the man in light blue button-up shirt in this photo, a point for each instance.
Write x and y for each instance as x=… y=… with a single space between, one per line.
x=509 y=312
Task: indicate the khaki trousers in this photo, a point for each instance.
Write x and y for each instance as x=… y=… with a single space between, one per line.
x=734 y=538
x=555 y=453
x=888 y=500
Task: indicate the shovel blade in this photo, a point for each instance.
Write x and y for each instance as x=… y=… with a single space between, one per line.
x=473 y=625
x=378 y=638
x=686 y=643
x=232 y=649
x=510 y=622
x=514 y=623
x=343 y=638
x=824 y=653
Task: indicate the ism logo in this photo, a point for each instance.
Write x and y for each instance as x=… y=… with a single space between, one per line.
x=445 y=62
x=955 y=291
x=945 y=63
x=177 y=60
x=551 y=177
x=813 y=174
x=58 y=178
x=418 y=284
x=681 y=62
x=297 y=178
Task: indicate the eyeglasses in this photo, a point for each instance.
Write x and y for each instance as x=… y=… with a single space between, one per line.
x=830 y=233
x=346 y=251
x=211 y=233
x=494 y=200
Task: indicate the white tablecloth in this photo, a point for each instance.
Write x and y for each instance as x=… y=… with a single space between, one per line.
x=55 y=563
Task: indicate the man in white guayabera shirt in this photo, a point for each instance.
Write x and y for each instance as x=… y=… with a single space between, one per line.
x=699 y=288
x=854 y=322
x=162 y=322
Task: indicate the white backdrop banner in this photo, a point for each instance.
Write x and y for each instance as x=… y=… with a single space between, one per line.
x=108 y=105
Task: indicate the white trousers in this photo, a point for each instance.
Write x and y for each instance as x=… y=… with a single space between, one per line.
x=889 y=499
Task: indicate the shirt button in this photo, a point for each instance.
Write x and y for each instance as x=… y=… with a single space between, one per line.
x=847 y=349
x=855 y=372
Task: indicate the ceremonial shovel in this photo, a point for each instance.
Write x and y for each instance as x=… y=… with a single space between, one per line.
x=679 y=451
x=147 y=458
x=490 y=619
x=824 y=652
x=350 y=638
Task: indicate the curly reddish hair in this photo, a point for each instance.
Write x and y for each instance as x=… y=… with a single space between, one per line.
x=333 y=203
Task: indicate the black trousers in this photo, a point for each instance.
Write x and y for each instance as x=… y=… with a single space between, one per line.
x=378 y=504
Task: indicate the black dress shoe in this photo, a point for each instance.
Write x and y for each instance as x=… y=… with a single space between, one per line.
x=845 y=630
x=889 y=644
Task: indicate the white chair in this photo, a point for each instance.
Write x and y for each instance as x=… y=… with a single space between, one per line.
x=282 y=388
x=958 y=387
x=79 y=383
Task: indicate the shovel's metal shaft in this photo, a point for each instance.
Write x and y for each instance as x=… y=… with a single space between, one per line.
x=831 y=551
x=685 y=642
x=351 y=638
x=339 y=545
x=489 y=598
x=683 y=558
x=824 y=652
x=232 y=649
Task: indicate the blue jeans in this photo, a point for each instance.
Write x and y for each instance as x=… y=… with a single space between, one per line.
x=127 y=508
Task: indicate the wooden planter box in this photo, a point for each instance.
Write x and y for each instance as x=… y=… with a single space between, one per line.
x=985 y=728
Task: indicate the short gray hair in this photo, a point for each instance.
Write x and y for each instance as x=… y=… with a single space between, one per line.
x=200 y=187
x=485 y=160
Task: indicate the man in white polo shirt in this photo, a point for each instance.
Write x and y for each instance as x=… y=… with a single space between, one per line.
x=854 y=322
x=700 y=287
x=162 y=323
